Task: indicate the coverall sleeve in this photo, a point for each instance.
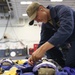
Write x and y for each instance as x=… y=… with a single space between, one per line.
x=65 y=30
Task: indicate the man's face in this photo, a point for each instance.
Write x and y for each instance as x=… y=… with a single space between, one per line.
x=42 y=15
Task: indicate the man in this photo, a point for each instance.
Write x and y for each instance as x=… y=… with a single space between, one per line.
x=58 y=27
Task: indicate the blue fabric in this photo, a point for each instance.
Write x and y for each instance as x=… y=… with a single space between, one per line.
x=6 y=67
x=66 y=71
x=70 y=71
x=27 y=74
x=61 y=73
x=24 y=68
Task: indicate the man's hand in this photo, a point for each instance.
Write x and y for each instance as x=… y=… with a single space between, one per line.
x=39 y=53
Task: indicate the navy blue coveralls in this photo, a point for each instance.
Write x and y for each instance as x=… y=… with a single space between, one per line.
x=62 y=31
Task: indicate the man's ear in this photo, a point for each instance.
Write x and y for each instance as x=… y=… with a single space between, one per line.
x=41 y=8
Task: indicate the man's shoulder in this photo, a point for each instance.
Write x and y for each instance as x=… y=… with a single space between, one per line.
x=58 y=7
x=61 y=6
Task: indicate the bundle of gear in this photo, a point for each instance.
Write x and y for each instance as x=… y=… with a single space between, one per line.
x=42 y=67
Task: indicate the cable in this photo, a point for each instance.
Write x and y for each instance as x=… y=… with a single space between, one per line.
x=17 y=36
x=9 y=19
x=6 y=27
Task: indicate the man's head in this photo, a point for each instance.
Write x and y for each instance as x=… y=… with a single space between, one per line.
x=37 y=12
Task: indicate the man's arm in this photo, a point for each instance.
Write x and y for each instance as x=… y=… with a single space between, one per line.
x=66 y=28
x=46 y=46
x=39 y=53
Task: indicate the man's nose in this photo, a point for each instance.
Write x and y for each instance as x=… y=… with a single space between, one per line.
x=38 y=20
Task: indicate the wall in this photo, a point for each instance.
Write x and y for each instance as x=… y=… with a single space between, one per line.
x=27 y=34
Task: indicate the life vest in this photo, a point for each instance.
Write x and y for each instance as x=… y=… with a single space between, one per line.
x=40 y=68
x=6 y=64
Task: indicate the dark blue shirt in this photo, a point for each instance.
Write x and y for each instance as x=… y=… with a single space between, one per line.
x=65 y=31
